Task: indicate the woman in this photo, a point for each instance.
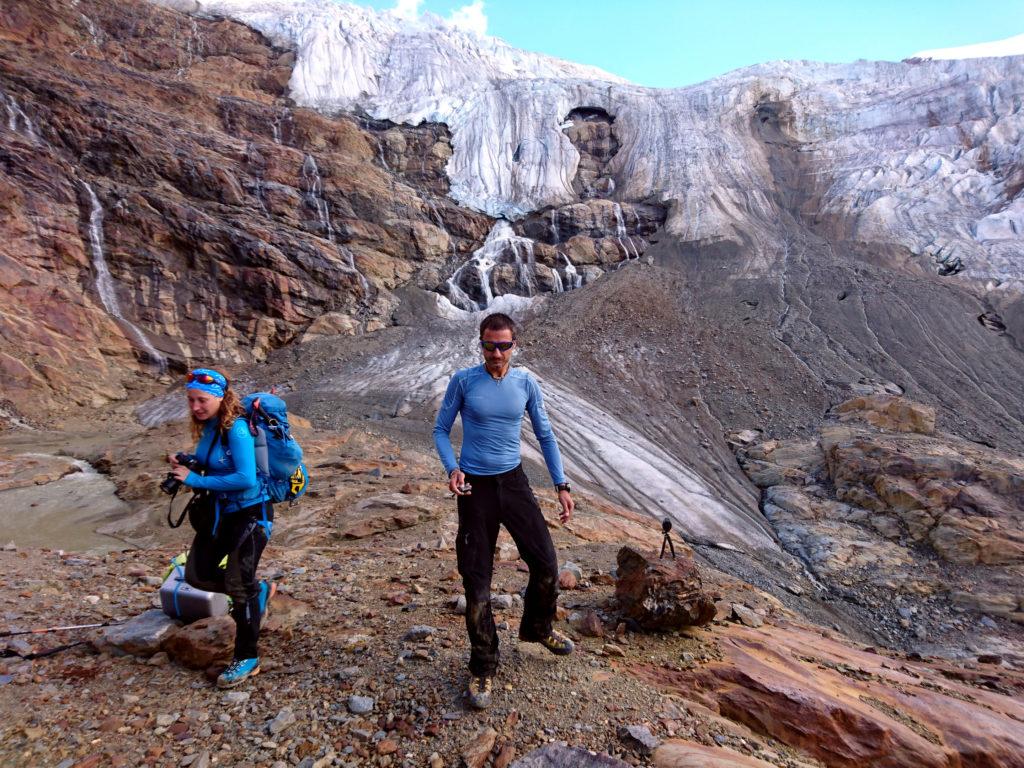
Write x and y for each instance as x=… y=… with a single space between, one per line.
x=233 y=518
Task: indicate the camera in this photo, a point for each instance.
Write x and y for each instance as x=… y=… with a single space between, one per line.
x=171 y=484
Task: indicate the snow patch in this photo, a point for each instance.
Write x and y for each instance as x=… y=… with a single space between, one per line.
x=1011 y=46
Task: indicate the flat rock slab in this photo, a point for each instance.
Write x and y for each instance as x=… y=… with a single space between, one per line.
x=143 y=635
x=557 y=755
x=687 y=754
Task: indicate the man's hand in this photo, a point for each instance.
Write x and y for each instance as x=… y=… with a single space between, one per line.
x=455 y=482
x=568 y=505
x=180 y=472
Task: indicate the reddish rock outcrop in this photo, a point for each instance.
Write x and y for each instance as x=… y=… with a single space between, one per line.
x=661 y=595
x=849 y=708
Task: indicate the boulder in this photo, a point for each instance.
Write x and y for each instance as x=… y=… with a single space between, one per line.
x=141 y=636
x=661 y=595
x=896 y=414
x=206 y=642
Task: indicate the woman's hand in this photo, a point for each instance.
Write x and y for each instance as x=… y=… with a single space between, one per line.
x=180 y=472
x=172 y=459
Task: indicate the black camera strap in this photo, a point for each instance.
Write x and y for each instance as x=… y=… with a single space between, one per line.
x=170 y=504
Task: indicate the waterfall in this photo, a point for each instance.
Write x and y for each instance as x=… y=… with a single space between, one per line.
x=276 y=125
x=554 y=227
x=469 y=287
x=314 y=195
x=351 y=257
x=622 y=235
x=557 y=278
x=17 y=120
x=314 y=186
x=193 y=47
x=573 y=277
x=105 y=282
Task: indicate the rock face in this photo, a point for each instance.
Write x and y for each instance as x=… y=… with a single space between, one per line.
x=850 y=708
x=190 y=212
x=661 y=595
x=908 y=511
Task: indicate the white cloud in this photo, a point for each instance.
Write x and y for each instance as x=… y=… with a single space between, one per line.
x=470 y=18
x=407 y=9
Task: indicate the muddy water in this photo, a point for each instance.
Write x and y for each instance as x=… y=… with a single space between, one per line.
x=64 y=513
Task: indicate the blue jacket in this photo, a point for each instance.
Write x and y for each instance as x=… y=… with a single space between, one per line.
x=231 y=471
x=492 y=417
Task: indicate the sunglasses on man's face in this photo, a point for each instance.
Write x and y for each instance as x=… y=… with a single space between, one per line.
x=503 y=346
x=204 y=378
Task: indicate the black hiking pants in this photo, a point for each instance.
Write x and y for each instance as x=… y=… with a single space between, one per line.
x=242 y=539
x=504 y=499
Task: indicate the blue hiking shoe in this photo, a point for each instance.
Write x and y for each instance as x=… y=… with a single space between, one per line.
x=267 y=590
x=238 y=672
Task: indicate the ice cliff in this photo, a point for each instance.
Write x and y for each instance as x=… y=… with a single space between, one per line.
x=923 y=155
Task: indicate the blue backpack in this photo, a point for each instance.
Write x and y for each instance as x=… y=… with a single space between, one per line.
x=278 y=456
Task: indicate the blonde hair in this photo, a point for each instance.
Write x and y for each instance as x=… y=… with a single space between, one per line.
x=230 y=409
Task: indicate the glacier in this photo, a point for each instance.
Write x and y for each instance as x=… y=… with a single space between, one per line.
x=925 y=155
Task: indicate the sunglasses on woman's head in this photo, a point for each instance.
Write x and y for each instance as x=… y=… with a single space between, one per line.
x=205 y=378
x=490 y=346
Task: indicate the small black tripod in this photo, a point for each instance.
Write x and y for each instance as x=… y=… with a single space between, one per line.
x=666 y=526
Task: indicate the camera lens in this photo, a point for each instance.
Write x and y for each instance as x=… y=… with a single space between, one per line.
x=170 y=484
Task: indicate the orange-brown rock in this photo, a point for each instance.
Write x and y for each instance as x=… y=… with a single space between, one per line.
x=206 y=642
x=850 y=708
x=890 y=412
x=661 y=595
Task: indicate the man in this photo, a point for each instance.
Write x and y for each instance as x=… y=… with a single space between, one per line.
x=492 y=490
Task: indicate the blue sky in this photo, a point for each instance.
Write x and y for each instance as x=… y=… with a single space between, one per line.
x=666 y=44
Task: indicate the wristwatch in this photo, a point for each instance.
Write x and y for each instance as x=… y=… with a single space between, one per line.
x=563 y=487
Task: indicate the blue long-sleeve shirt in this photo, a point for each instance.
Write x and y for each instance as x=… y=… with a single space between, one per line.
x=492 y=416
x=231 y=470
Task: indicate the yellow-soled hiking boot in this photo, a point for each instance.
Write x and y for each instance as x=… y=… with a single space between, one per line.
x=479 y=691
x=558 y=644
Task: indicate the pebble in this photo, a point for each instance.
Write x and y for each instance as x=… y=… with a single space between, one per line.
x=501 y=602
x=164 y=721
x=284 y=719
x=360 y=705
x=237 y=697
x=419 y=632
x=572 y=568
